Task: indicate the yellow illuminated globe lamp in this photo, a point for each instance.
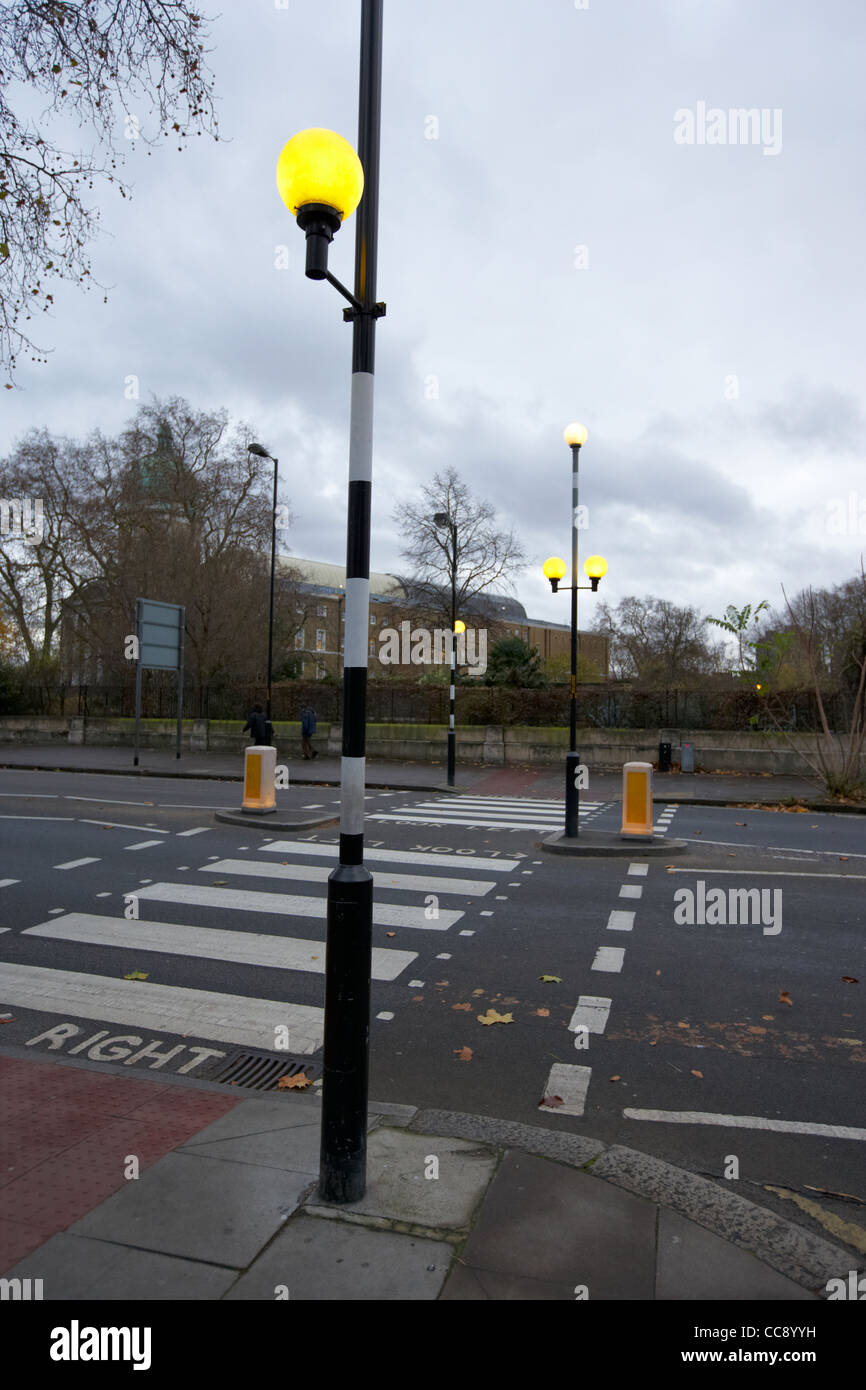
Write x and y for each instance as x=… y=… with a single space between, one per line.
x=575 y=434
x=595 y=568
x=459 y=626
x=320 y=179
x=554 y=570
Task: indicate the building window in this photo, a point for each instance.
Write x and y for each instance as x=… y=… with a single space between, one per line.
x=342 y=617
x=303 y=667
x=320 y=671
x=372 y=619
x=322 y=610
x=372 y=648
x=299 y=640
x=321 y=644
x=342 y=643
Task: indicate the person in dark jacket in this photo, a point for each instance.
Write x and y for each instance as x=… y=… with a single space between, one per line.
x=308 y=728
x=260 y=727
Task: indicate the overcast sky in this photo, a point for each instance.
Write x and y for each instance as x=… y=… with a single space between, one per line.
x=558 y=252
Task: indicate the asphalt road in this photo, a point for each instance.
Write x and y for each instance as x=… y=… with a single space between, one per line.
x=720 y=1047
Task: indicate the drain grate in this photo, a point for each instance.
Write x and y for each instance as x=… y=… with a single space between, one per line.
x=260 y=1071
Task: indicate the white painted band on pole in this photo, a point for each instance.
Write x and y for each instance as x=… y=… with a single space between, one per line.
x=352 y=793
x=361 y=429
x=357 y=622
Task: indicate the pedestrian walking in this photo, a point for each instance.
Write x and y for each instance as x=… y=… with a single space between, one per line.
x=260 y=727
x=308 y=728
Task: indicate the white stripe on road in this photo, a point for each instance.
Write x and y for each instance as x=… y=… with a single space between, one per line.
x=771 y=873
x=609 y=958
x=570 y=1083
x=314 y=873
x=397 y=856
x=143 y=844
x=591 y=1013
x=7 y=882
x=199 y=830
x=639 y=870
x=479 y=822
x=488 y=807
x=287 y=905
x=118 y=825
x=773 y=849
x=631 y=890
x=10 y=817
x=75 y=863
x=699 y=1117
x=242 y=948
x=620 y=921
x=162 y=1008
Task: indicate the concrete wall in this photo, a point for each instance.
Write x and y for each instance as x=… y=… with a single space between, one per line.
x=494 y=745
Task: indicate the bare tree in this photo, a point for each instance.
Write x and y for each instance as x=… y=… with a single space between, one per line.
x=829 y=631
x=470 y=550
x=655 y=641
x=175 y=509
x=91 y=60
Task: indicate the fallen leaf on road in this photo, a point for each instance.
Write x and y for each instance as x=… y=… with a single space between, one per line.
x=542 y=1013
x=843 y=858
x=439 y=983
x=466 y=1008
x=8 y=1019
x=135 y=975
x=493 y=1017
x=220 y=881
x=294 y=1083
x=614 y=1078
x=850 y=980
x=551 y=979
x=511 y=1001
x=654 y=1042
x=390 y=933
x=768 y=1017
x=731 y=855
x=552 y=1101
x=745 y=822
x=416 y=998
x=785 y=998
x=697 y=1073
x=478 y=991
x=683 y=1025
x=463 y=1054
x=755 y=1028
x=658 y=972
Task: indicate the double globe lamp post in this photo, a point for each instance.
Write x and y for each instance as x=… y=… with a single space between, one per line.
x=595 y=567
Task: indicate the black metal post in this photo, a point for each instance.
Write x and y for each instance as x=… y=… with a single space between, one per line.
x=343 y=1158
x=271 y=614
x=572 y=761
x=452 y=735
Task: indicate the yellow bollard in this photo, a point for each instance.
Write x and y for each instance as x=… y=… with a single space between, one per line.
x=637 y=801
x=259 y=775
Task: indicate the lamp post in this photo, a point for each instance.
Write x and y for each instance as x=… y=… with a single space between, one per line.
x=575 y=436
x=263 y=454
x=443 y=519
x=321 y=180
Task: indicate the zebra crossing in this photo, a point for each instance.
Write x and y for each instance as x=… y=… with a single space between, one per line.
x=234 y=1018
x=490 y=812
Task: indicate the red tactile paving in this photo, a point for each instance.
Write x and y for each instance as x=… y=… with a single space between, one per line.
x=66 y=1135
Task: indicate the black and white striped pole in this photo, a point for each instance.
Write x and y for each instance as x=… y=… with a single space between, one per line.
x=318 y=180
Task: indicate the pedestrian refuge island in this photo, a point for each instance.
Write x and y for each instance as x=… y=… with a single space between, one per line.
x=260 y=764
x=637 y=801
